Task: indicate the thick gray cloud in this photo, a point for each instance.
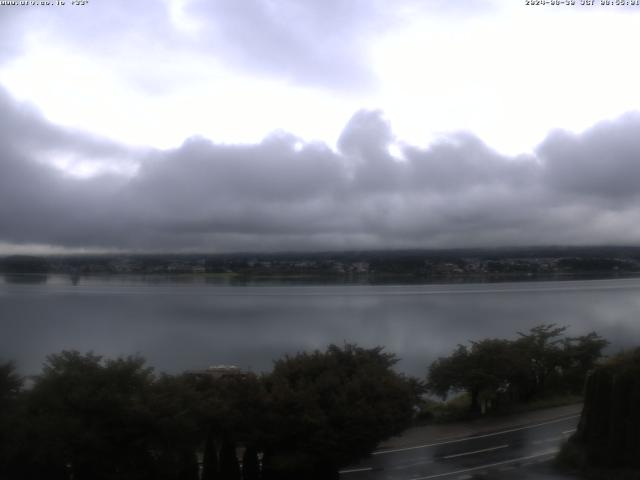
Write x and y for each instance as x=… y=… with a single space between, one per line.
x=283 y=193
x=604 y=161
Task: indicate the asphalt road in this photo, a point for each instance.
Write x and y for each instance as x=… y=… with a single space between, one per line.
x=505 y=453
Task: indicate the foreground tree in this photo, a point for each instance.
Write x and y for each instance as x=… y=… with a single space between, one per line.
x=229 y=466
x=231 y=406
x=10 y=385
x=328 y=409
x=10 y=426
x=581 y=355
x=482 y=371
x=177 y=429
x=540 y=356
x=210 y=459
x=87 y=418
x=608 y=435
x=92 y=418
x=495 y=371
x=250 y=464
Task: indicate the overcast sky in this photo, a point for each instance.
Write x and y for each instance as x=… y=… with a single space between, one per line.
x=234 y=125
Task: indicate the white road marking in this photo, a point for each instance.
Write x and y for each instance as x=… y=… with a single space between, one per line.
x=355 y=470
x=466 y=439
x=567 y=432
x=490 y=465
x=475 y=451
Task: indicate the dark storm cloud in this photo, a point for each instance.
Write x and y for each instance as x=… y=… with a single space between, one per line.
x=283 y=193
x=39 y=202
x=23 y=128
x=604 y=161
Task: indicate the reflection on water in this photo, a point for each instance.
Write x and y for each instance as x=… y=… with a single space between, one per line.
x=189 y=322
x=26 y=278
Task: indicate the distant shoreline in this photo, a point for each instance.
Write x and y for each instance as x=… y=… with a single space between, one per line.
x=231 y=279
x=356 y=267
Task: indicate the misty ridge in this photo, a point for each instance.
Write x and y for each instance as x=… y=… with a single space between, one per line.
x=285 y=194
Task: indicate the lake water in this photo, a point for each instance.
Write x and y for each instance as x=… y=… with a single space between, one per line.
x=180 y=325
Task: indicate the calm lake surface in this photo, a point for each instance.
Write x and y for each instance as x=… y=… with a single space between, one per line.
x=186 y=324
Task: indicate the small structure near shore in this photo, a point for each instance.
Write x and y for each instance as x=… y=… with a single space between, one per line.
x=219 y=371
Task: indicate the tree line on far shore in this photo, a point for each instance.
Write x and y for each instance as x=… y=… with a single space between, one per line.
x=85 y=417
